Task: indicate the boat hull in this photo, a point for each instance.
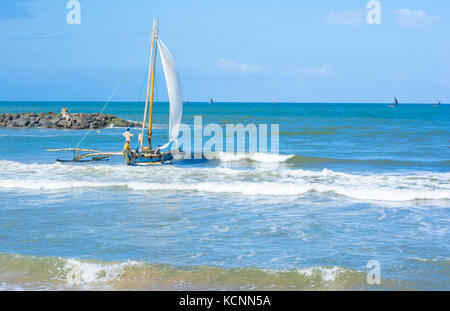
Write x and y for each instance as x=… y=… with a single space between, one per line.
x=144 y=159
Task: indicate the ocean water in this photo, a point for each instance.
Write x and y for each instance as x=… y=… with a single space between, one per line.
x=352 y=183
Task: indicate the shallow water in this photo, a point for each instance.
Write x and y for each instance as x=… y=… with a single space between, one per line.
x=353 y=183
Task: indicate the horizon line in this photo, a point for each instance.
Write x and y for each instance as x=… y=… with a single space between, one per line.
x=218 y=102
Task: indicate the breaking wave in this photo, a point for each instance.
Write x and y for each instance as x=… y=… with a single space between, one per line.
x=19 y=272
x=258 y=181
x=299 y=160
x=257 y=157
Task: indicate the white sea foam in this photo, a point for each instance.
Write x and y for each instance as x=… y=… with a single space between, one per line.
x=327 y=274
x=79 y=272
x=437 y=259
x=258 y=157
x=273 y=182
x=55 y=273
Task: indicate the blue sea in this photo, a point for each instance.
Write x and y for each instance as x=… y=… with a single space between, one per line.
x=352 y=183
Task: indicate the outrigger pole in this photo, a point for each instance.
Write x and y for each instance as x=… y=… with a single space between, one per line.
x=150 y=88
x=89 y=153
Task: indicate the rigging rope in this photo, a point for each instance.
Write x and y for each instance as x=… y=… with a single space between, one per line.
x=138 y=100
x=111 y=96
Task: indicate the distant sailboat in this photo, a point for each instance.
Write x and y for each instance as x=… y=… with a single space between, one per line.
x=438 y=103
x=394 y=103
x=211 y=101
x=148 y=155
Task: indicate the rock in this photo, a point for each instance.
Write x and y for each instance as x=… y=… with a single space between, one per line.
x=97 y=124
x=61 y=123
x=21 y=122
x=55 y=119
x=77 y=121
x=45 y=123
x=34 y=121
x=119 y=122
x=84 y=124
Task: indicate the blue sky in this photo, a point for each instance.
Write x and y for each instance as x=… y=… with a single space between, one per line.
x=294 y=51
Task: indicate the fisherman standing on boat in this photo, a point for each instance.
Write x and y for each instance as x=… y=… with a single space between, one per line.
x=127 y=136
x=127 y=146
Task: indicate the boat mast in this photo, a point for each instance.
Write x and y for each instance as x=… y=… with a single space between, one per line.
x=152 y=92
x=141 y=140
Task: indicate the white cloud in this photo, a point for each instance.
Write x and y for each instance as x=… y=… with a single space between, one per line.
x=346 y=17
x=233 y=66
x=411 y=18
x=323 y=71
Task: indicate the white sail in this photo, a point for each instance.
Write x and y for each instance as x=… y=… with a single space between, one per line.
x=174 y=90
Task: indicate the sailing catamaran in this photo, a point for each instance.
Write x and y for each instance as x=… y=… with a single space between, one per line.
x=147 y=155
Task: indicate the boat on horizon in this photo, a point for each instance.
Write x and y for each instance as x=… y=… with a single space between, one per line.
x=438 y=103
x=394 y=103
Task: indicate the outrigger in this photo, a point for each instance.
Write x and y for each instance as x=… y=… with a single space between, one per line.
x=87 y=155
x=146 y=155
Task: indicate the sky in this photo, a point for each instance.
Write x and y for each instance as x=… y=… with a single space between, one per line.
x=246 y=50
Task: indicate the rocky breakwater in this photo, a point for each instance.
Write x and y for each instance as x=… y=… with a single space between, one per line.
x=63 y=120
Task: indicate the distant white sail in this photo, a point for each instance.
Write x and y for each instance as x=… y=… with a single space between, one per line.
x=174 y=90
